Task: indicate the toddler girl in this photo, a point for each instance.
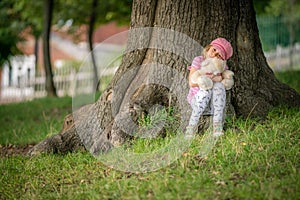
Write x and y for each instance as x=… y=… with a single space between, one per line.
x=198 y=98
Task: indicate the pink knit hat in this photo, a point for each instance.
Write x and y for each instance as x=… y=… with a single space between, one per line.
x=224 y=47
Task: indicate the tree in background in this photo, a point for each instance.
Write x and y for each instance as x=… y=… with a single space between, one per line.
x=93 y=13
x=10 y=28
x=91 y=24
x=256 y=89
x=35 y=22
x=23 y=15
x=82 y=12
x=48 y=11
x=31 y=13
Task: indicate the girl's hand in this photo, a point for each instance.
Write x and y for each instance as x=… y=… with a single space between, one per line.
x=215 y=78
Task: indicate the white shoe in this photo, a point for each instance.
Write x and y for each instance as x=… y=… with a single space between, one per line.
x=190 y=132
x=218 y=129
x=218 y=133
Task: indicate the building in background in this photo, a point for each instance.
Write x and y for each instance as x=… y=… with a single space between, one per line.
x=17 y=77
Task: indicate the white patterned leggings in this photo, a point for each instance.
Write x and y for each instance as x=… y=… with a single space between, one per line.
x=201 y=100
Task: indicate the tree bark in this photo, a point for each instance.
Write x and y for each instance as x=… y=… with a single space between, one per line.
x=255 y=92
x=50 y=87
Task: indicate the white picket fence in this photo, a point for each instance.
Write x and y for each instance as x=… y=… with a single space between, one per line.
x=66 y=80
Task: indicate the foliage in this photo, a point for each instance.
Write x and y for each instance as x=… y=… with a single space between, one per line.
x=260 y=6
x=10 y=27
x=31 y=13
x=289 y=8
x=78 y=12
x=278 y=22
x=290 y=11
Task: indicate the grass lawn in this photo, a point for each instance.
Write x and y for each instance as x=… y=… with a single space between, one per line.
x=29 y=122
x=253 y=160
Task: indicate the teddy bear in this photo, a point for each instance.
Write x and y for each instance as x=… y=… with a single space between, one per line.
x=227 y=81
x=212 y=66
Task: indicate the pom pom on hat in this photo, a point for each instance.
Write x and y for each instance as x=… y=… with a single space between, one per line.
x=224 y=47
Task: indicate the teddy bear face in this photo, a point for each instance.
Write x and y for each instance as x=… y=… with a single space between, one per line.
x=213 y=65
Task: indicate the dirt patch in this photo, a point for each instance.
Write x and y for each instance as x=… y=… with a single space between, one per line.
x=13 y=150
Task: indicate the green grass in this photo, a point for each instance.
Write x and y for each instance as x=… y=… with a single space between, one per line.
x=291 y=78
x=257 y=161
x=30 y=122
x=253 y=160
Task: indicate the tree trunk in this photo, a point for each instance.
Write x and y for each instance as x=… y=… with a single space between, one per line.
x=50 y=87
x=36 y=53
x=0 y=81
x=154 y=71
x=90 y=41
